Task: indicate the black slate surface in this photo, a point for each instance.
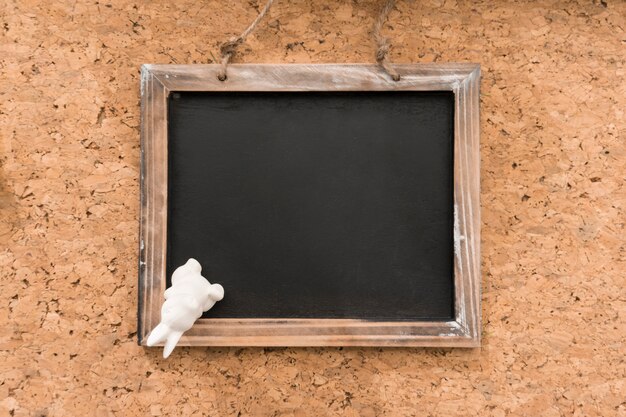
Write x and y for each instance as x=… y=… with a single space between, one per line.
x=315 y=205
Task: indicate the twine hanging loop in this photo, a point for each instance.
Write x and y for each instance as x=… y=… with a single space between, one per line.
x=228 y=48
x=383 y=42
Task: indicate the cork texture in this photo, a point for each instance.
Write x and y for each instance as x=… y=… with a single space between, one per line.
x=553 y=155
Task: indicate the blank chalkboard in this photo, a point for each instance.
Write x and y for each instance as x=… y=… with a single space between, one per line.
x=315 y=204
x=336 y=206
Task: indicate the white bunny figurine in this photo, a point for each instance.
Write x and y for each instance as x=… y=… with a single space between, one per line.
x=189 y=296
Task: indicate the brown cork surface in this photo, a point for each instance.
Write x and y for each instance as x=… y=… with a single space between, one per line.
x=553 y=199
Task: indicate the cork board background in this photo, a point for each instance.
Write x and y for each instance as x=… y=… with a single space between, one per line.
x=553 y=199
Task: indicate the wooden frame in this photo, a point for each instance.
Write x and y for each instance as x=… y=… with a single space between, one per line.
x=157 y=81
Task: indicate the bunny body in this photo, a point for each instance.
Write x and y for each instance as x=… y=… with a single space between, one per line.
x=189 y=296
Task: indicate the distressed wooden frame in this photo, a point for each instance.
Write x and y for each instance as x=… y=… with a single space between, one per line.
x=157 y=81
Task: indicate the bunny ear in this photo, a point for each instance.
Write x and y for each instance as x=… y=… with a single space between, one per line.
x=172 y=339
x=159 y=334
x=163 y=333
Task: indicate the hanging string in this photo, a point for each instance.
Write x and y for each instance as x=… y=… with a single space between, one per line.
x=383 y=42
x=227 y=49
